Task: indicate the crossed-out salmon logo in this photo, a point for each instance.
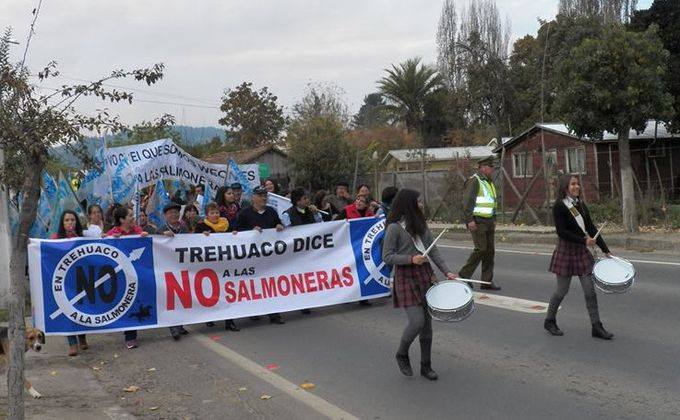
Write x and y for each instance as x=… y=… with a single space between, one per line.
x=367 y=235
x=99 y=284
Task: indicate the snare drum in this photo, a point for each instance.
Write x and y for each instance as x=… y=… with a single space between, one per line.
x=450 y=301
x=613 y=275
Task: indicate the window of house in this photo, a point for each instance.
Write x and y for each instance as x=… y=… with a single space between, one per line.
x=522 y=165
x=551 y=158
x=656 y=149
x=575 y=160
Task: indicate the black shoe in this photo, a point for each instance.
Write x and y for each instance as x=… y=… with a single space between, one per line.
x=427 y=372
x=600 y=332
x=306 y=311
x=552 y=328
x=255 y=318
x=277 y=319
x=183 y=331
x=230 y=325
x=175 y=334
x=210 y=324
x=491 y=286
x=365 y=303
x=404 y=364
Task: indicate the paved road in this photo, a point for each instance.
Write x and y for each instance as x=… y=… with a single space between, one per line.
x=497 y=364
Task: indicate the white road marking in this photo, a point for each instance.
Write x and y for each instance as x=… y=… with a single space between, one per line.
x=314 y=402
x=514 y=251
x=511 y=303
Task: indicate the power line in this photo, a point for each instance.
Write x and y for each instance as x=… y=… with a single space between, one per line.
x=142 y=100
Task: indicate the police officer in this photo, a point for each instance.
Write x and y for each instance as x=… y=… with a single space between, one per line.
x=480 y=216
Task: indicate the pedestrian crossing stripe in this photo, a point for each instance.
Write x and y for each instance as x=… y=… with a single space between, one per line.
x=510 y=303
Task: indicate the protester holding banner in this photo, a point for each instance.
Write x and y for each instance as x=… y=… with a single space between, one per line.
x=146 y=224
x=226 y=202
x=173 y=225
x=364 y=190
x=301 y=213
x=190 y=217
x=406 y=240
x=95 y=227
x=357 y=209
x=238 y=195
x=70 y=227
x=260 y=216
x=214 y=223
x=124 y=225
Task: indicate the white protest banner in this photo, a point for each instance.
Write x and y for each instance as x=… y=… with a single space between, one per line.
x=116 y=284
x=163 y=159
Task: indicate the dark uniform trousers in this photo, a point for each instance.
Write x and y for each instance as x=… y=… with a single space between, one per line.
x=484 y=251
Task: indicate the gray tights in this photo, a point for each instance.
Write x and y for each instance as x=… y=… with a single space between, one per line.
x=563 y=283
x=419 y=324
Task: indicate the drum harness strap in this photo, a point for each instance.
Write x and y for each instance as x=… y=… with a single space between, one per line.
x=420 y=247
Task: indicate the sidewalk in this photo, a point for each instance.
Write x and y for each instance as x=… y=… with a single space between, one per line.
x=68 y=386
x=642 y=242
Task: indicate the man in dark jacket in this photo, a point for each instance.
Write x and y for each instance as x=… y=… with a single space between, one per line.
x=259 y=216
x=479 y=205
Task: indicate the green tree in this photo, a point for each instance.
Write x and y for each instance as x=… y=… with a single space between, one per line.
x=615 y=83
x=665 y=14
x=30 y=125
x=372 y=113
x=317 y=145
x=533 y=65
x=252 y=117
x=406 y=87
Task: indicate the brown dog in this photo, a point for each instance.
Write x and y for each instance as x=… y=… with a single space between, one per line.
x=34 y=341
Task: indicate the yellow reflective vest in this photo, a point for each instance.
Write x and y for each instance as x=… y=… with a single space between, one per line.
x=485 y=204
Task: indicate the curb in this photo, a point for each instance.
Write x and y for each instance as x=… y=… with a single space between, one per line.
x=504 y=234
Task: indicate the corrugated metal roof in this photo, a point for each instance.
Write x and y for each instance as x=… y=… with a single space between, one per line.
x=441 y=153
x=648 y=133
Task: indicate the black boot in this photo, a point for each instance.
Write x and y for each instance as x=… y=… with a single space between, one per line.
x=427 y=372
x=230 y=325
x=600 y=332
x=404 y=364
x=551 y=326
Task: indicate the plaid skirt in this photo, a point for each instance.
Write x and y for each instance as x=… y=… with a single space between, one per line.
x=411 y=282
x=571 y=259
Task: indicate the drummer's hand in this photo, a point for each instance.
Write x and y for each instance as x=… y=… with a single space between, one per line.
x=418 y=259
x=451 y=276
x=590 y=241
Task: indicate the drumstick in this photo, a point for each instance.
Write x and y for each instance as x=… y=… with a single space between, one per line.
x=473 y=281
x=600 y=231
x=427 y=251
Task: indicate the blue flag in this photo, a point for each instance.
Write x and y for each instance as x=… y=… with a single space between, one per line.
x=122 y=187
x=158 y=200
x=50 y=188
x=207 y=198
x=240 y=176
x=66 y=200
x=41 y=225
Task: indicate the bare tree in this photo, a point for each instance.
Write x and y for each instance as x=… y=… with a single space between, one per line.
x=447 y=32
x=611 y=11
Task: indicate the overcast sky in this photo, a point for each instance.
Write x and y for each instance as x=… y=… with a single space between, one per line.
x=208 y=46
